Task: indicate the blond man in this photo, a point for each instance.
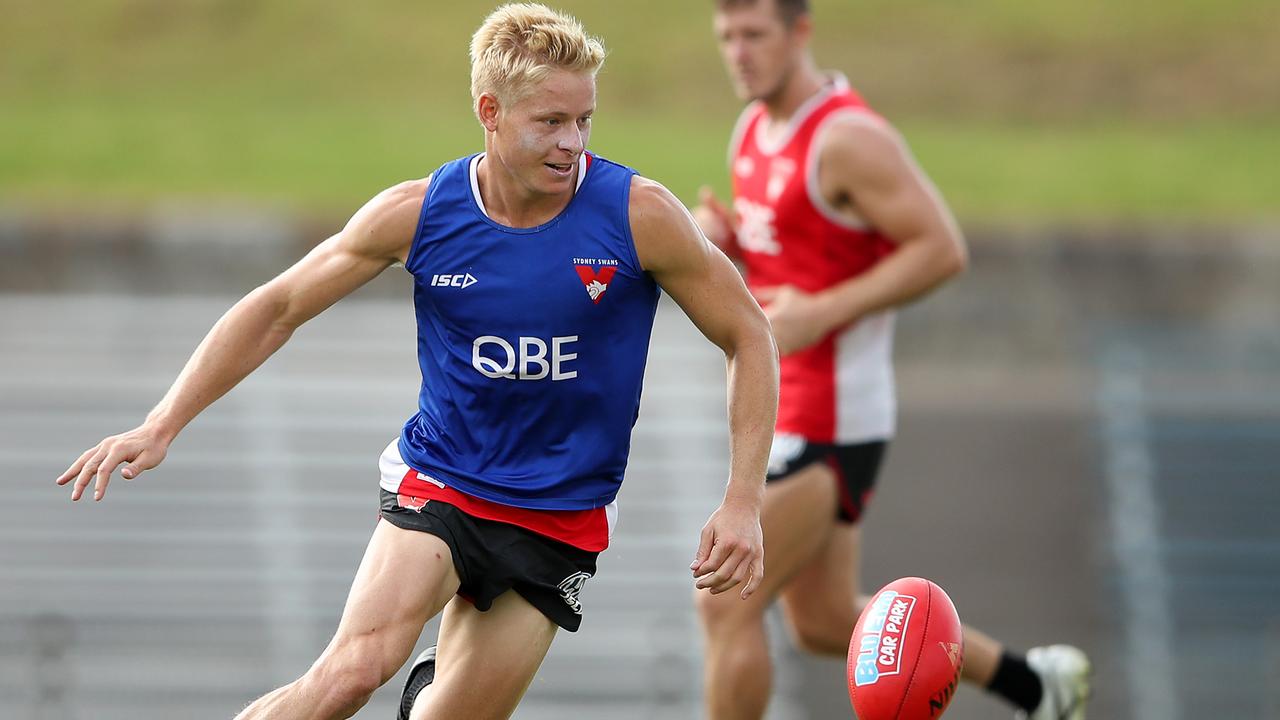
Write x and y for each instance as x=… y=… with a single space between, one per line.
x=537 y=268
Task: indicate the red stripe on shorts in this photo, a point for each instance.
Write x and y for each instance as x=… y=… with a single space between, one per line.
x=584 y=529
x=842 y=488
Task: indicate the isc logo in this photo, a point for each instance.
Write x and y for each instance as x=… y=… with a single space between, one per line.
x=497 y=358
x=458 y=281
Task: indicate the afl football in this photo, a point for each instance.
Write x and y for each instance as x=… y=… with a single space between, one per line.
x=906 y=653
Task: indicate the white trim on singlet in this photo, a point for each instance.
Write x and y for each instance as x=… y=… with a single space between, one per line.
x=475 y=183
x=862 y=115
x=866 y=403
x=473 y=172
x=837 y=82
x=611 y=516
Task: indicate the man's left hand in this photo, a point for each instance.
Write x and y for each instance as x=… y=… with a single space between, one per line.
x=731 y=550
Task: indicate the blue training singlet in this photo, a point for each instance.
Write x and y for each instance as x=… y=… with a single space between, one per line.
x=532 y=343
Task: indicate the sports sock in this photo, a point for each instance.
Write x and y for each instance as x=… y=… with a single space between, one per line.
x=1016 y=682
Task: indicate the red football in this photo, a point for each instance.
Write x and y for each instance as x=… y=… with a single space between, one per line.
x=906 y=653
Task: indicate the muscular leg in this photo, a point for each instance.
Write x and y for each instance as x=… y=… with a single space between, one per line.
x=821 y=605
x=798 y=515
x=405 y=578
x=485 y=660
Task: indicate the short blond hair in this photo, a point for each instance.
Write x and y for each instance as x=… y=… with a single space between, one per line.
x=521 y=43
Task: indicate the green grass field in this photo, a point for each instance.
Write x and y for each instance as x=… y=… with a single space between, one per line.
x=1092 y=112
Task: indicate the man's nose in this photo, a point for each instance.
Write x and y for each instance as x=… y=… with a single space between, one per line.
x=571 y=140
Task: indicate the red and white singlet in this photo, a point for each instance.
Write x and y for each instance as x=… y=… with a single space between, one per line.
x=840 y=390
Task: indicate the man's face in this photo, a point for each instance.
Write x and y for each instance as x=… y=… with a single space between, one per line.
x=758 y=47
x=541 y=135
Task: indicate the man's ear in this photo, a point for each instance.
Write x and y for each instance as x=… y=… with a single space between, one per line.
x=487 y=109
x=802 y=28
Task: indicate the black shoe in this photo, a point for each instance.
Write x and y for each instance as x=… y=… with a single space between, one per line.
x=421 y=673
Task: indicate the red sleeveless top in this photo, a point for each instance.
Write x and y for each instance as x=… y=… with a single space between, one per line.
x=841 y=389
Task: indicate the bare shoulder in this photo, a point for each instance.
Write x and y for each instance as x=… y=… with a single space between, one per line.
x=652 y=204
x=385 y=226
x=863 y=147
x=661 y=226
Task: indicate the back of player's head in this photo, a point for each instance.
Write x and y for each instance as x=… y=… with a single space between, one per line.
x=788 y=10
x=519 y=44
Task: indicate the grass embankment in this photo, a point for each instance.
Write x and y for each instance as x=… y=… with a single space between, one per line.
x=1096 y=112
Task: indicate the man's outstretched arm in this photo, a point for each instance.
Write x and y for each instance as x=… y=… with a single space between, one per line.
x=378 y=235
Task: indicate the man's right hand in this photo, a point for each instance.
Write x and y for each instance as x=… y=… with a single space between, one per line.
x=142 y=448
x=715 y=220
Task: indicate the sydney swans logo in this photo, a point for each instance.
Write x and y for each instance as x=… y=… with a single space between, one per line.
x=595 y=274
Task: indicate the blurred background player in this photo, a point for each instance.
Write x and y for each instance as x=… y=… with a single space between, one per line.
x=836 y=226
x=536 y=273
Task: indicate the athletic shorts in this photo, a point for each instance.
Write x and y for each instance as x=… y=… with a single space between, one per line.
x=493 y=557
x=855 y=466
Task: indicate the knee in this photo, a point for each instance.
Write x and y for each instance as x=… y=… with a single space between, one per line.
x=822 y=632
x=725 y=616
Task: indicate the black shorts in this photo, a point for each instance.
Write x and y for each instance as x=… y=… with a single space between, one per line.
x=855 y=467
x=493 y=557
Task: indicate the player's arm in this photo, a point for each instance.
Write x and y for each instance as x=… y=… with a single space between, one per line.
x=378 y=235
x=710 y=291
x=864 y=164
